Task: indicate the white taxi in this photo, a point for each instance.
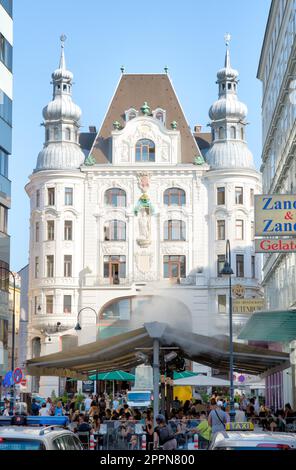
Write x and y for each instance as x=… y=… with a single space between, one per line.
x=36 y=438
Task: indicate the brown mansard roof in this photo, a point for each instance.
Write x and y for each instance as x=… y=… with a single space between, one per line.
x=133 y=90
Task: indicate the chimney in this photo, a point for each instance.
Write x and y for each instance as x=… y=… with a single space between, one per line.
x=92 y=129
x=197 y=128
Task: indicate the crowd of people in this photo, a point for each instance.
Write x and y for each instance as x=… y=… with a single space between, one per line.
x=174 y=428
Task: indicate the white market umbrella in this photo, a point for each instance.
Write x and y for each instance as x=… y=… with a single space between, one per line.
x=203 y=381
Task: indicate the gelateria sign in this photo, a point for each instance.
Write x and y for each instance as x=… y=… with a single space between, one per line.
x=275 y=245
x=275 y=215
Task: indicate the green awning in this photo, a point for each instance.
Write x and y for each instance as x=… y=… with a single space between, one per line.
x=184 y=375
x=275 y=326
x=114 y=375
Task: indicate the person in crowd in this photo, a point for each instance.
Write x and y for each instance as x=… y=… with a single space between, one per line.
x=75 y=422
x=59 y=411
x=87 y=404
x=240 y=415
x=176 y=404
x=43 y=410
x=148 y=429
x=163 y=435
x=182 y=430
x=289 y=413
x=243 y=402
x=84 y=427
x=115 y=416
x=204 y=431
x=6 y=411
x=94 y=409
x=35 y=407
x=133 y=442
x=115 y=404
x=96 y=423
x=218 y=418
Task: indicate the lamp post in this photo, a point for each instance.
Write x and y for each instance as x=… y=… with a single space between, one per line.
x=79 y=328
x=227 y=272
x=13 y=338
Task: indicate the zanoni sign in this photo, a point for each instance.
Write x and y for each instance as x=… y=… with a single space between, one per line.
x=275 y=215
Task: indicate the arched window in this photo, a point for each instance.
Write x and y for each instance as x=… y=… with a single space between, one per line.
x=115 y=197
x=174 y=230
x=145 y=151
x=233 y=132
x=68 y=133
x=174 y=197
x=47 y=135
x=221 y=133
x=115 y=230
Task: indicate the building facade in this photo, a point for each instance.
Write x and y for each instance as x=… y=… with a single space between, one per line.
x=129 y=223
x=6 y=96
x=277 y=72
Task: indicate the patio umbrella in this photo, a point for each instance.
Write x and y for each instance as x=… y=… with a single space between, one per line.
x=184 y=375
x=113 y=376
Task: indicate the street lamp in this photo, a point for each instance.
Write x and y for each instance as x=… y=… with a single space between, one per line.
x=227 y=271
x=78 y=327
x=13 y=339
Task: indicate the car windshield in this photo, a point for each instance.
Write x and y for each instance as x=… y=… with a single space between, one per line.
x=20 y=444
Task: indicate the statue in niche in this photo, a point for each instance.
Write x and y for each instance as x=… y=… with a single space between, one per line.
x=144 y=225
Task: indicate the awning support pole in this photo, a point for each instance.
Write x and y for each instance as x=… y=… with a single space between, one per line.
x=155 y=379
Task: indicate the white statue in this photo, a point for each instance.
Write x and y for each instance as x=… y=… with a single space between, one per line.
x=144 y=224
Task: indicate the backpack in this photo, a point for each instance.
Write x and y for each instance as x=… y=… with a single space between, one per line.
x=165 y=434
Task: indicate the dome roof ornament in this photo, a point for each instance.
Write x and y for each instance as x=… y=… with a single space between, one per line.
x=63 y=39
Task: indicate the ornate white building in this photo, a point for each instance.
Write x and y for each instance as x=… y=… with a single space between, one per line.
x=129 y=223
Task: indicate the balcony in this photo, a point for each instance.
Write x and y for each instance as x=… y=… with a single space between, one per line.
x=99 y=281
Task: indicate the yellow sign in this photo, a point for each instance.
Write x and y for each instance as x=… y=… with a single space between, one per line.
x=238 y=290
x=275 y=215
x=239 y=427
x=247 y=305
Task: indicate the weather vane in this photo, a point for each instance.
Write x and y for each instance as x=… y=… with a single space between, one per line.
x=63 y=39
x=227 y=39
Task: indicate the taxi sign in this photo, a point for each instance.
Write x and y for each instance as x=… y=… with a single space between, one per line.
x=239 y=426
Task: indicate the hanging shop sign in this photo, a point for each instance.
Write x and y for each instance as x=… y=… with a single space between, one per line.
x=275 y=215
x=278 y=245
x=247 y=305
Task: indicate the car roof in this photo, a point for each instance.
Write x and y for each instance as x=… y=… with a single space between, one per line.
x=31 y=432
x=243 y=438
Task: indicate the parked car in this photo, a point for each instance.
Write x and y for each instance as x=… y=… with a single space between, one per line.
x=250 y=440
x=34 y=438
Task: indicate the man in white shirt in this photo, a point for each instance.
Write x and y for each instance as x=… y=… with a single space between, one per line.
x=87 y=403
x=43 y=410
x=240 y=416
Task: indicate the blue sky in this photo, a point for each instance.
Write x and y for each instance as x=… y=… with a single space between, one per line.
x=187 y=36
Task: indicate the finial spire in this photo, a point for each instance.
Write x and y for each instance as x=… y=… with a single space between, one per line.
x=63 y=39
x=227 y=39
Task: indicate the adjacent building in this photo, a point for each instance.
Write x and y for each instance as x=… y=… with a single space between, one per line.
x=129 y=223
x=6 y=96
x=277 y=72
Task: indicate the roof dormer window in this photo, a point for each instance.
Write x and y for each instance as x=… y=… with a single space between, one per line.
x=159 y=114
x=131 y=114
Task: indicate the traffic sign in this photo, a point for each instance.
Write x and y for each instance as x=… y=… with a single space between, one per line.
x=24 y=382
x=17 y=375
x=8 y=380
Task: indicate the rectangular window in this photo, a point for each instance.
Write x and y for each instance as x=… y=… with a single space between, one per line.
x=220 y=196
x=220 y=264
x=68 y=230
x=37 y=230
x=115 y=268
x=35 y=305
x=36 y=267
x=3 y=218
x=239 y=229
x=252 y=197
x=252 y=230
x=5 y=52
x=222 y=303
x=253 y=267
x=4 y=276
x=50 y=230
x=174 y=267
x=67 y=303
x=68 y=197
x=38 y=198
x=221 y=229
x=239 y=199
x=67 y=266
x=240 y=266
x=5 y=108
x=50 y=266
x=49 y=304
x=51 y=196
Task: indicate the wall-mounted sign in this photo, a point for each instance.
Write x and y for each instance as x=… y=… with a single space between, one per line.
x=247 y=305
x=238 y=291
x=275 y=215
x=278 y=245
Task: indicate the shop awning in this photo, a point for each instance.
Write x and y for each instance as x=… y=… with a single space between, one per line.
x=275 y=326
x=119 y=353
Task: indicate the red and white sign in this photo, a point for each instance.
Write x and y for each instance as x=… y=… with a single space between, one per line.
x=275 y=245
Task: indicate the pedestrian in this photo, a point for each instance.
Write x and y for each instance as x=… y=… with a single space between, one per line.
x=43 y=410
x=218 y=418
x=163 y=435
x=59 y=409
x=87 y=404
x=35 y=407
x=204 y=432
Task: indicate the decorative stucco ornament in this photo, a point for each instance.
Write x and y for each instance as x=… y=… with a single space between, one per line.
x=146 y=109
x=199 y=160
x=174 y=125
x=90 y=161
x=144 y=180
